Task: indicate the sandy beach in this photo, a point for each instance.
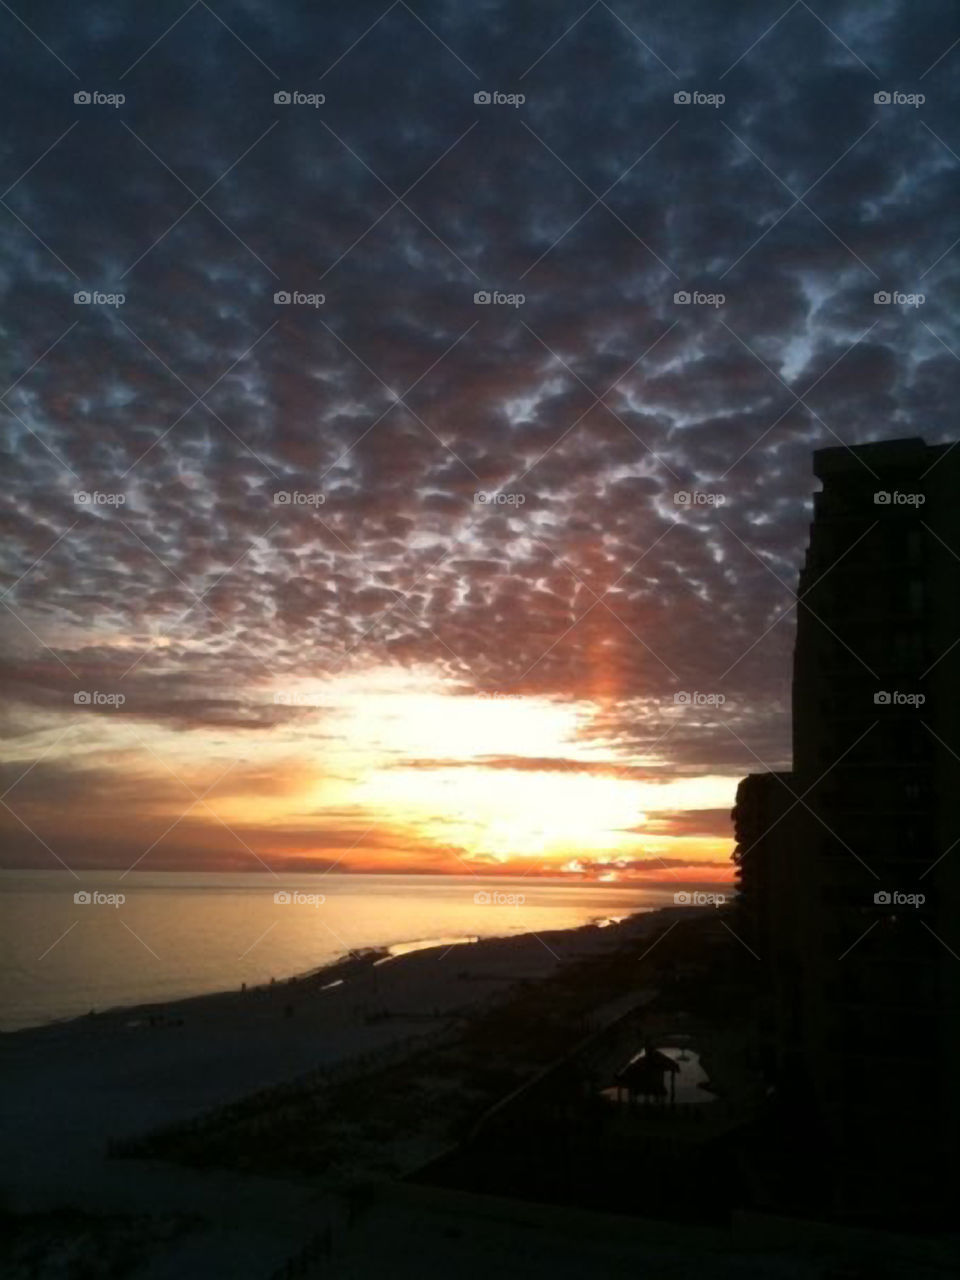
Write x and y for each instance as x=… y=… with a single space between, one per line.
x=370 y=1057
x=69 y=1087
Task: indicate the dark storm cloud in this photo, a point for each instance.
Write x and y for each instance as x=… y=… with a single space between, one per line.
x=398 y=399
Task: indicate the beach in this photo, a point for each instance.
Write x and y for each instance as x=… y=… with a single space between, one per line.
x=70 y=1087
x=306 y=1128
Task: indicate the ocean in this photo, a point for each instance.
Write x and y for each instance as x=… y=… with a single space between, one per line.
x=68 y=946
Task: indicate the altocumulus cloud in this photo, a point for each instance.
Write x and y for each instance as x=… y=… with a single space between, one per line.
x=398 y=398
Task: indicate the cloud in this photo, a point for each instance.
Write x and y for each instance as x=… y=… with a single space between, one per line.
x=689 y=822
x=397 y=399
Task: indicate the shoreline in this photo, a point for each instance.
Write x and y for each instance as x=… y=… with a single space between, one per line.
x=353 y=964
x=197 y=1054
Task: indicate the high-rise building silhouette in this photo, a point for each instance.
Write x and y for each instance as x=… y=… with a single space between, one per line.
x=766 y=904
x=865 y=858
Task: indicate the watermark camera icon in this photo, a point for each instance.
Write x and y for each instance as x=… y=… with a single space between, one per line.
x=681 y=297
x=482 y=898
x=281 y=499
x=886 y=298
x=282 y=897
x=682 y=97
x=898 y=698
x=82 y=897
x=482 y=98
x=282 y=97
x=82 y=298
x=82 y=498
x=897 y=498
x=681 y=698
x=682 y=899
x=882 y=898
x=886 y=98
x=482 y=298
x=281 y=297
x=82 y=699
x=681 y=498
x=81 y=97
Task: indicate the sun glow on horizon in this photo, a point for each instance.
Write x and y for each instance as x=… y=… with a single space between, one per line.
x=494 y=776
x=511 y=812
x=441 y=777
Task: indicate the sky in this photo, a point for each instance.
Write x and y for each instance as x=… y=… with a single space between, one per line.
x=424 y=483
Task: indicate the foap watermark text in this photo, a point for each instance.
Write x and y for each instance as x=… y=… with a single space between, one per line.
x=885 y=698
x=696 y=498
x=95 y=698
x=296 y=898
x=94 y=898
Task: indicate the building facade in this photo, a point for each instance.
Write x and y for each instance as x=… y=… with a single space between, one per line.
x=874 y=1020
